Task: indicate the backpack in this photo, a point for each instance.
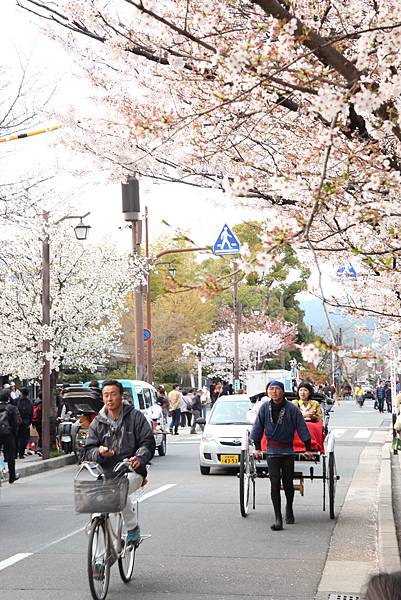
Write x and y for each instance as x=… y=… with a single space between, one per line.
x=24 y=407
x=36 y=413
x=5 y=427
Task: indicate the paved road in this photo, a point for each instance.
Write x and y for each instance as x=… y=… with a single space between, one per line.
x=201 y=547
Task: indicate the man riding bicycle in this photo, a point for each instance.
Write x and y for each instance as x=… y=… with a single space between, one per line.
x=120 y=431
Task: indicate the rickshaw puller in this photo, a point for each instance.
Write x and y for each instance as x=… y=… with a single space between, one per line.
x=279 y=419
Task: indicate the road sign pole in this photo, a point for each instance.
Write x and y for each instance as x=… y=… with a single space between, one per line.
x=236 y=322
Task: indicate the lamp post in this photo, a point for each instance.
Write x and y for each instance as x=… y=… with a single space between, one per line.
x=81 y=232
x=131 y=210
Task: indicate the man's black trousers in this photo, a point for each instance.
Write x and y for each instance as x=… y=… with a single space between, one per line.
x=9 y=446
x=281 y=468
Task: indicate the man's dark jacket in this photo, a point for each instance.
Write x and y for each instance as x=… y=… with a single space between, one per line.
x=133 y=438
x=13 y=416
x=281 y=432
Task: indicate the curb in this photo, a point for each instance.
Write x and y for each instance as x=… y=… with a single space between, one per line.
x=46 y=465
x=389 y=558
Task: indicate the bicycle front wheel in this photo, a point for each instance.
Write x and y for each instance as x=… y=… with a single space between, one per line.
x=98 y=562
x=244 y=482
x=126 y=560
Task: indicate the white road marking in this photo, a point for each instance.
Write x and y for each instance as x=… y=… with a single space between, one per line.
x=184 y=442
x=338 y=432
x=8 y=562
x=14 y=559
x=159 y=490
x=362 y=434
x=65 y=537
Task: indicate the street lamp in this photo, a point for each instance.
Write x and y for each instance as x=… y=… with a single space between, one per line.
x=81 y=231
x=46 y=303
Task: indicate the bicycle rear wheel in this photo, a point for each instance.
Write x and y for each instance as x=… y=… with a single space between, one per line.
x=126 y=560
x=98 y=562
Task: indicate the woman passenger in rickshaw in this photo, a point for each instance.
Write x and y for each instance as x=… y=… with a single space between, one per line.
x=313 y=415
x=309 y=408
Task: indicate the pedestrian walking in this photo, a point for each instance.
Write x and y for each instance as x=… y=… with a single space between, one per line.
x=279 y=419
x=14 y=393
x=174 y=403
x=216 y=391
x=196 y=410
x=388 y=397
x=37 y=419
x=205 y=399
x=161 y=398
x=9 y=417
x=25 y=407
x=380 y=396
x=186 y=408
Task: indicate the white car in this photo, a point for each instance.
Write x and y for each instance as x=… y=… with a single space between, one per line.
x=220 y=444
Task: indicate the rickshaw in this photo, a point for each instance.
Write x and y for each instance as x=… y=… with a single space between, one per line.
x=322 y=454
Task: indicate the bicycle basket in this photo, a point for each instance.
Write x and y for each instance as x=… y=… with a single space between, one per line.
x=100 y=495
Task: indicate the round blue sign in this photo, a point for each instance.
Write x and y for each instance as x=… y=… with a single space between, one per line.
x=147 y=335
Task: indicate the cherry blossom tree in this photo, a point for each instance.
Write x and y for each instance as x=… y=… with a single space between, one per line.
x=291 y=106
x=254 y=347
x=89 y=285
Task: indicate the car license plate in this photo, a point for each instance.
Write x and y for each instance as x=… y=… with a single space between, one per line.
x=66 y=438
x=229 y=459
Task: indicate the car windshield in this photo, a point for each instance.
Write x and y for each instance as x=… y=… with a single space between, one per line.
x=230 y=413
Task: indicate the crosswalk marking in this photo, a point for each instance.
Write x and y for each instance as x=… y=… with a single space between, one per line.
x=338 y=433
x=362 y=434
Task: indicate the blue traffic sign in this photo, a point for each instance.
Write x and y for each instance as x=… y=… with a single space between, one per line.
x=347 y=271
x=227 y=242
x=147 y=335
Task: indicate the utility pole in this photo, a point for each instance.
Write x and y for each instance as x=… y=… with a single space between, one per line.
x=46 y=341
x=131 y=210
x=282 y=351
x=236 y=325
x=149 y=372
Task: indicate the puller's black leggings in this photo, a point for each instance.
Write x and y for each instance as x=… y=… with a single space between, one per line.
x=281 y=468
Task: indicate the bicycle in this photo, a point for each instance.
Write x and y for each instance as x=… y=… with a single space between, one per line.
x=105 y=497
x=247 y=473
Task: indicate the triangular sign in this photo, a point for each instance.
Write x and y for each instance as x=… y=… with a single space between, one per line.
x=227 y=242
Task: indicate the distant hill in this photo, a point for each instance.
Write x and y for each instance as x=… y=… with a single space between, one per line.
x=315 y=318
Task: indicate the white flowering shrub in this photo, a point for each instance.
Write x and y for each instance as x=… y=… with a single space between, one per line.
x=89 y=285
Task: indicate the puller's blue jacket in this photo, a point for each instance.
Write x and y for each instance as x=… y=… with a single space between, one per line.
x=280 y=435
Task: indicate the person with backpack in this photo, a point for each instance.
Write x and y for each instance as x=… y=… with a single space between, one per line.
x=37 y=418
x=9 y=418
x=25 y=408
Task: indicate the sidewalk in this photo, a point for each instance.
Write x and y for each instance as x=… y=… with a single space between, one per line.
x=33 y=464
x=364 y=539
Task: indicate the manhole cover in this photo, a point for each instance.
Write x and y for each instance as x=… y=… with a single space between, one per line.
x=344 y=597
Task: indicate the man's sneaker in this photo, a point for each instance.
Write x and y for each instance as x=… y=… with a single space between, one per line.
x=134 y=535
